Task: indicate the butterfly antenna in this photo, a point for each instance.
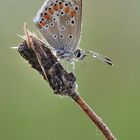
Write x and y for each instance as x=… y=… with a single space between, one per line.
x=101 y=58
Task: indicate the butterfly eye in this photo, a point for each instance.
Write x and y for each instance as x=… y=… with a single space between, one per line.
x=80 y=54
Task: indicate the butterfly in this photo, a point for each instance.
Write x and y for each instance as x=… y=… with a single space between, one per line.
x=60 y=23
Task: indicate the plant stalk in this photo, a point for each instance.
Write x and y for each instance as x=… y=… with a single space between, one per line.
x=94 y=117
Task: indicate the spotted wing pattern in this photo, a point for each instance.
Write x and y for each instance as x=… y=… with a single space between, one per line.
x=59 y=21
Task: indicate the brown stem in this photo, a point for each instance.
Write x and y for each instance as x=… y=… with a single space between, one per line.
x=93 y=116
x=63 y=83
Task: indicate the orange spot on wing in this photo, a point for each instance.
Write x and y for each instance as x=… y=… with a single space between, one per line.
x=39 y=25
x=51 y=11
x=72 y=13
x=42 y=24
x=61 y=6
x=66 y=10
x=55 y=7
x=46 y=16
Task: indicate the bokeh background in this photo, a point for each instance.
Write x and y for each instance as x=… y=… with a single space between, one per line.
x=28 y=108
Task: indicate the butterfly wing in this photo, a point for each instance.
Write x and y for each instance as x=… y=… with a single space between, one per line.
x=59 y=21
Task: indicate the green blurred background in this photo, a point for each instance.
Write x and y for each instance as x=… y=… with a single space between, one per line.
x=28 y=108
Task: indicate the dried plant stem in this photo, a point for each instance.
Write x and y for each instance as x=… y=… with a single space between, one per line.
x=63 y=83
x=93 y=116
